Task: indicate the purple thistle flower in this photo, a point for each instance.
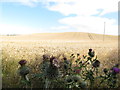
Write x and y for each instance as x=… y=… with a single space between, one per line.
x=116 y=70
x=77 y=71
x=90 y=50
x=51 y=59
x=65 y=58
x=45 y=57
x=55 y=62
x=22 y=62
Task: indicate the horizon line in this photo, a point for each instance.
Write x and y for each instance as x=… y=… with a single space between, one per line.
x=55 y=32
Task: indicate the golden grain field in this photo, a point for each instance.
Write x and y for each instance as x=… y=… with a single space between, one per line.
x=32 y=47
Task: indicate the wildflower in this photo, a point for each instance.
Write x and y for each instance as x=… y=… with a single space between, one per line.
x=96 y=63
x=55 y=62
x=51 y=59
x=105 y=70
x=46 y=57
x=115 y=70
x=66 y=61
x=80 y=62
x=89 y=58
x=22 y=62
x=91 y=53
x=84 y=56
x=64 y=58
x=77 y=60
x=77 y=71
x=52 y=72
x=78 y=54
x=23 y=70
x=72 y=54
x=90 y=50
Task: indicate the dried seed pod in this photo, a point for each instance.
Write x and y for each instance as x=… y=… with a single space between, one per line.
x=96 y=63
x=105 y=70
x=91 y=53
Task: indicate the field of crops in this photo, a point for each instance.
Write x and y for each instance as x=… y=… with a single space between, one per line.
x=33 y=50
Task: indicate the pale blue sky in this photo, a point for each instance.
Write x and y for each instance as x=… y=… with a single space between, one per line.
x=42 y=18
x=36 y=17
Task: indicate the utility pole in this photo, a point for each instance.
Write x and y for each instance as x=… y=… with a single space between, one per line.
x=104 y=32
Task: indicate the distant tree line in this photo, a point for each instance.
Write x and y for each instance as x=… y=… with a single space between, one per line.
x=9 y=34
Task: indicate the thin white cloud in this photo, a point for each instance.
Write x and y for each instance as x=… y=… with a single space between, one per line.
x=83 y=9
x=79 y=7
x=91 y=24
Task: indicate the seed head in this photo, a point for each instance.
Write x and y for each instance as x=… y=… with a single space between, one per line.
x=72 y=54
x=78 y=54
x=105 y=70
x=96 y=64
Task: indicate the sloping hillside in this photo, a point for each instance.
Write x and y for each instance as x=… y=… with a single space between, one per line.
x=61 y=36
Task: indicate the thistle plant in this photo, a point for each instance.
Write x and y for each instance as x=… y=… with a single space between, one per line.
x=23 y=71
x=82 y=73
x=67 y=66
x=49 y=70
x=45 y=63
x=110 y=76
x=74 y=81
